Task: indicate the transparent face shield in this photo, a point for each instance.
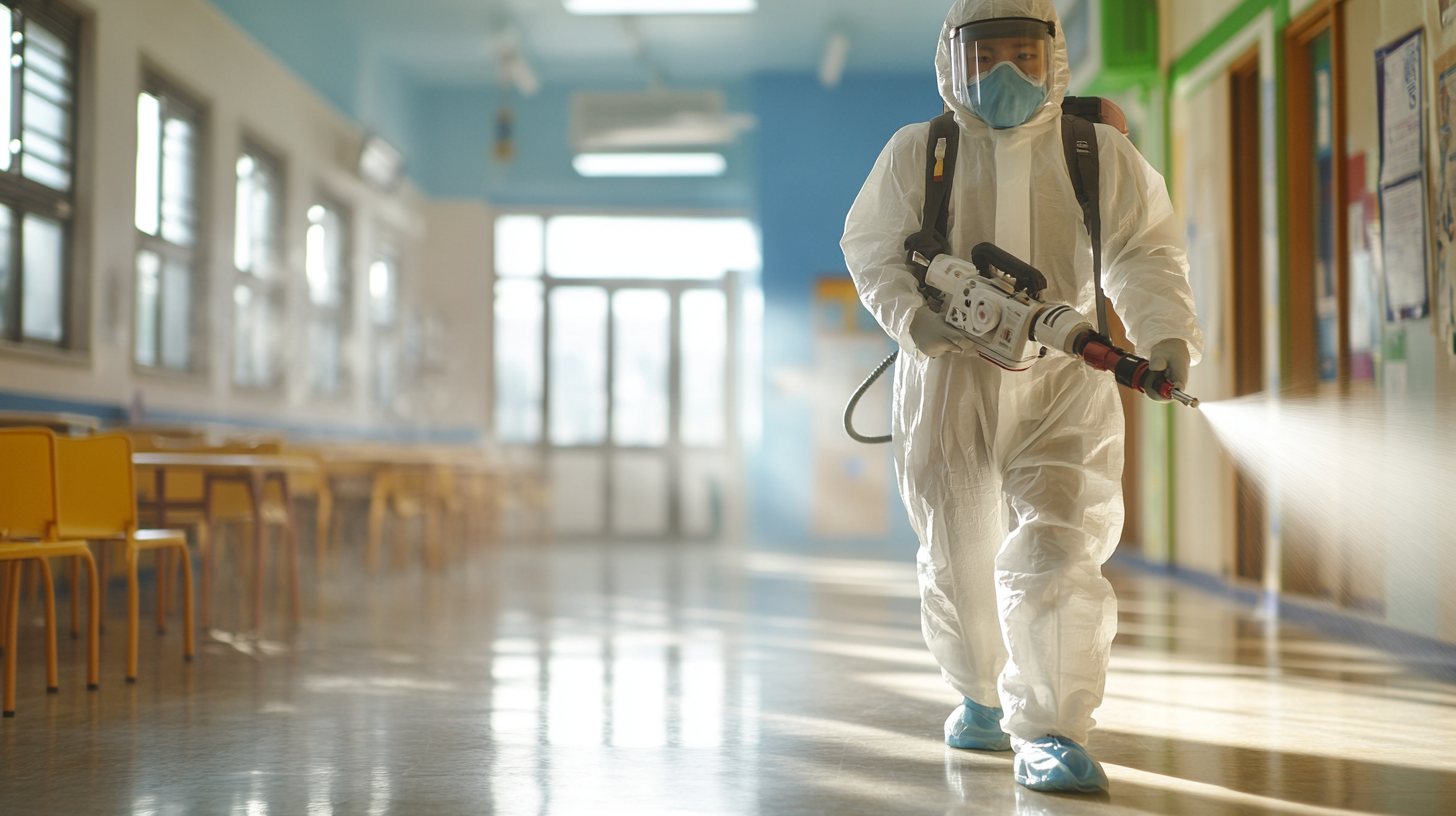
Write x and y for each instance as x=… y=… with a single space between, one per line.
x=1002 y=68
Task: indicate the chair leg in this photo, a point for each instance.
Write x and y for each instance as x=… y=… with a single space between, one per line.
x=206 y=535
x=5 y=569
x=48 y=588
x=103 y=569
x=159 y=564
x=74 y=581
x=93 y=634
x=133 y=613
x=187 y=634
x=206 y=538
x=12 y=639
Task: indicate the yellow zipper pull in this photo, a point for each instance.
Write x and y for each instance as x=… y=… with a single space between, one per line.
x=940 y=160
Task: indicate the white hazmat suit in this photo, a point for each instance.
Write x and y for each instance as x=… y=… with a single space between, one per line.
x=1013 y=480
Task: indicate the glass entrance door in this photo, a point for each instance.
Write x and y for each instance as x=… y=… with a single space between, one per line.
x=638 y=406
x=617 y=365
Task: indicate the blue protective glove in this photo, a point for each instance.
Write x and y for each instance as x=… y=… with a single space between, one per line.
x=1057 y=765
x=976 y=727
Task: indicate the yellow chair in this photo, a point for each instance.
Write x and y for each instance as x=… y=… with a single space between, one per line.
x=98 y=502
x=30 y=530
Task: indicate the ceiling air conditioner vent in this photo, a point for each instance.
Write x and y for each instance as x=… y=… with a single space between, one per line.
x=653 y=120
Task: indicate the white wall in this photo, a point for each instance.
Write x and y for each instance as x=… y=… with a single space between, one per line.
x=1204 y=525
x=245 y=93
x=1185 y=22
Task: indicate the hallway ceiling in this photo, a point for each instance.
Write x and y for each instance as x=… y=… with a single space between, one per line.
x=438 y=42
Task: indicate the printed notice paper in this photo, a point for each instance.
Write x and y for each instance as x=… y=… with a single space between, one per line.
x=1399 y=82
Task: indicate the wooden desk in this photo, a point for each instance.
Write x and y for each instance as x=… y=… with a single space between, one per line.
x=69 y=424
x=255 y=471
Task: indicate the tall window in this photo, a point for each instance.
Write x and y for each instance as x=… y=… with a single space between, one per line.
x=383 y=313
x=563 y=268
x=37 y=116
x=166 y=222
x=258 y=293
x=326 y=265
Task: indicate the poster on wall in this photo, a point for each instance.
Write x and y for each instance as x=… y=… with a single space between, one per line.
x=1445 y=219
x=1399 y=85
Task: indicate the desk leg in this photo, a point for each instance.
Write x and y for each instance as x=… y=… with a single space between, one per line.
x=292 y=545
x=260 y=533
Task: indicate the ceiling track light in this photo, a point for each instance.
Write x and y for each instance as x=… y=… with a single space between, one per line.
x=836 y=55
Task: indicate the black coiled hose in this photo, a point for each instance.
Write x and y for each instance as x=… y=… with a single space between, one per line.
x=854 y=401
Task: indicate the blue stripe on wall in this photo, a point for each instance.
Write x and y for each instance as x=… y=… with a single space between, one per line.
x=111 y=414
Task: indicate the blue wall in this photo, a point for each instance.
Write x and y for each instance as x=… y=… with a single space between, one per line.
x=457 y=131
x=371 y=92
x=815 y=148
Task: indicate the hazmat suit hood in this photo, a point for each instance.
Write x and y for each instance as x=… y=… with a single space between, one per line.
x=970 y=11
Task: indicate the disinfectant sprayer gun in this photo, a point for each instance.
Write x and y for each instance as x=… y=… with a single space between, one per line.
x=996 y=300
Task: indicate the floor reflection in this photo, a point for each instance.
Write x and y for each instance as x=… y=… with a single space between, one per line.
x=647 y=679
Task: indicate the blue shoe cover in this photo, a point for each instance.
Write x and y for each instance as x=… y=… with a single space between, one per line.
x=976 y=727
x=1060 y=766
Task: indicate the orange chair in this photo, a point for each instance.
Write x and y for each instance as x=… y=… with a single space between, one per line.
x=30 y=530
x=98 y=502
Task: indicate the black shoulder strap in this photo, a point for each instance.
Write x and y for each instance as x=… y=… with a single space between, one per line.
x=1079 y=142
x=942 y=145
x=940 y=159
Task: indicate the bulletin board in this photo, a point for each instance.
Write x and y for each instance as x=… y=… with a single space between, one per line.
x=1400 y=89
x=1445 y=209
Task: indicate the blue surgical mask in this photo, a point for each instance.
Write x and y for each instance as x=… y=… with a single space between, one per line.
x=1006 y=97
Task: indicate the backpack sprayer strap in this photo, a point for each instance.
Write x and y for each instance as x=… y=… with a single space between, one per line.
x=941 y=149
x=1079 y=143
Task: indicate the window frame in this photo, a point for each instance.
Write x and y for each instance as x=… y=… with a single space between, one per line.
x=275 y=288
x=25 y=196
x=196 y=256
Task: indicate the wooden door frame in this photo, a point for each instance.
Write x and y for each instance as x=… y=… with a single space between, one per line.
x=1303 y=375
x=1244 y=291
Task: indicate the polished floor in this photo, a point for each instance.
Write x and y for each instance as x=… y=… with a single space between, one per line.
x=697 y=679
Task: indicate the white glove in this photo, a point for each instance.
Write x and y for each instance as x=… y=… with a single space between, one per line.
x=933 y=336
x=1171 y=355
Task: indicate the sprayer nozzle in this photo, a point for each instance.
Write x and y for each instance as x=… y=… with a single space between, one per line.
x=1190 y=401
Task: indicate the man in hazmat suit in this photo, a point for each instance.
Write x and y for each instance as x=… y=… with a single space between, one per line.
x=1012 y=480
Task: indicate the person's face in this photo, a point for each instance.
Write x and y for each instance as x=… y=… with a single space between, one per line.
x=1028 y=54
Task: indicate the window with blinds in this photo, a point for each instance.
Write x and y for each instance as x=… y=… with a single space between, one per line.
x=37 y=171
x=167 y=223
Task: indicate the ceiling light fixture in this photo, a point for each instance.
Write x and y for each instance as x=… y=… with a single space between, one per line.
x=650 y=165
x=661 y=6
x=836 y=54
